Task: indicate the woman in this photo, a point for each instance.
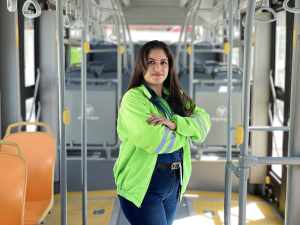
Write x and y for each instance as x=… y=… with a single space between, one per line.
x=155 y=123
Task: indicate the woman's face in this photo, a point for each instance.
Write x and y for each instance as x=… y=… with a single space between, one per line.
x=158 y=67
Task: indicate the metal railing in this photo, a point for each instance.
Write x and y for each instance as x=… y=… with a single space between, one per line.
x=246 y=160
x=85 y=13
x=241 y=168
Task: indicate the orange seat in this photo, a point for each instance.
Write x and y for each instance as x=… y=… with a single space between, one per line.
x=39 y=150
x=13 y=184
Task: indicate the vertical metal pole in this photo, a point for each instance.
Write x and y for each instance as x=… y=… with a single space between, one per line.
x=192 y=55
x=130 y=43
x=119 y=55
x=119 y=65
x=61 y=96
x=84 y=16
x=19 y=33
x=119 y=62
x=122 y=30
x=228 y=171
x=179 y=46
x=125 y=29
x=246 y=96
x=291 y=209
x=125 y=57
x=189 y=19
x=185 y=40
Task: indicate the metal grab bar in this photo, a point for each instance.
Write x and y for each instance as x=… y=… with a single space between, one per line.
x=61 y=102
x=259 y=160
x=92 y=80
x=216 y=50
x=286 y=7
x=102 y=146
x=269 y=128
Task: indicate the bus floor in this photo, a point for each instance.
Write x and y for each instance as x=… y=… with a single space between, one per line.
x=197 y=207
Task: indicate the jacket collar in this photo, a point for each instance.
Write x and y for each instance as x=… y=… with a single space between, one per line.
x=148 y=94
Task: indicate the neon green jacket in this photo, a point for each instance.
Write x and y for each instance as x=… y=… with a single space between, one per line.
x=141 y=143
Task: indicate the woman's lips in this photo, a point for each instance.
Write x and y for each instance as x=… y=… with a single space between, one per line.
x=157 y=75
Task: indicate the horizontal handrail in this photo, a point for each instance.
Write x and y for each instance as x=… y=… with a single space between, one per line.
x=213 y=81
x=268 y=128
x=216 y=50
x=92 y=80
x=103 y=50
x=258 y=160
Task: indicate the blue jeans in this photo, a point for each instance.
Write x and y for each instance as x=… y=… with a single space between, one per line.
x=160 y=202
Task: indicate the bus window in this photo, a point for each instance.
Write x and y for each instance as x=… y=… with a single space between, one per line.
x=75 y=56
x=30 y=113
x=280 y=50
x=279 y=82
x=236 y=56
x=29 y=53
x=141 y=33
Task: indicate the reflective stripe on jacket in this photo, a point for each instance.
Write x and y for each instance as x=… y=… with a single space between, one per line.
x=142 y=142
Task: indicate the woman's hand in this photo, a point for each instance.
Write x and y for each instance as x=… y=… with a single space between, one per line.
x=156 y=120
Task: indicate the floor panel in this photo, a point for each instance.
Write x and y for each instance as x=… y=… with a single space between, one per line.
x=205 y=208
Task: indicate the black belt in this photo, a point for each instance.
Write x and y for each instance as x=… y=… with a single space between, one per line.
x=171 y=166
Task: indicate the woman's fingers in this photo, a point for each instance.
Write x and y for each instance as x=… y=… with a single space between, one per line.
x=158 y=120
x=155 y=120
x=152 y=117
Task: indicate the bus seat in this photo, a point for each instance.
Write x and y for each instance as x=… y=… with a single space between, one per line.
x=13 y=176
x=39 y=149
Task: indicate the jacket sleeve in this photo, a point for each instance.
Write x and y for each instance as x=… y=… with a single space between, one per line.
x=195 y=126
x=132 y=126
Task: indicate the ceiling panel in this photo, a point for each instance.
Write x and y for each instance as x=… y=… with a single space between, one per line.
x=136 y=3
x=155 y=15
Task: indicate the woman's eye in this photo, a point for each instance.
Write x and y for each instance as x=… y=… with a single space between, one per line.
x=164 y=63
x=151 y=62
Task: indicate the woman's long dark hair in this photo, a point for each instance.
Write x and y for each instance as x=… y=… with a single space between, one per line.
x=178 y=100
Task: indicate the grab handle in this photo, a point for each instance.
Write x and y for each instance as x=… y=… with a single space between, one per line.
x=290 y=9
x=263 y=10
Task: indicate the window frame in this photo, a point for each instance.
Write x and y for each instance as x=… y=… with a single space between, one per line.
x=27 y=92
x=277 y=185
